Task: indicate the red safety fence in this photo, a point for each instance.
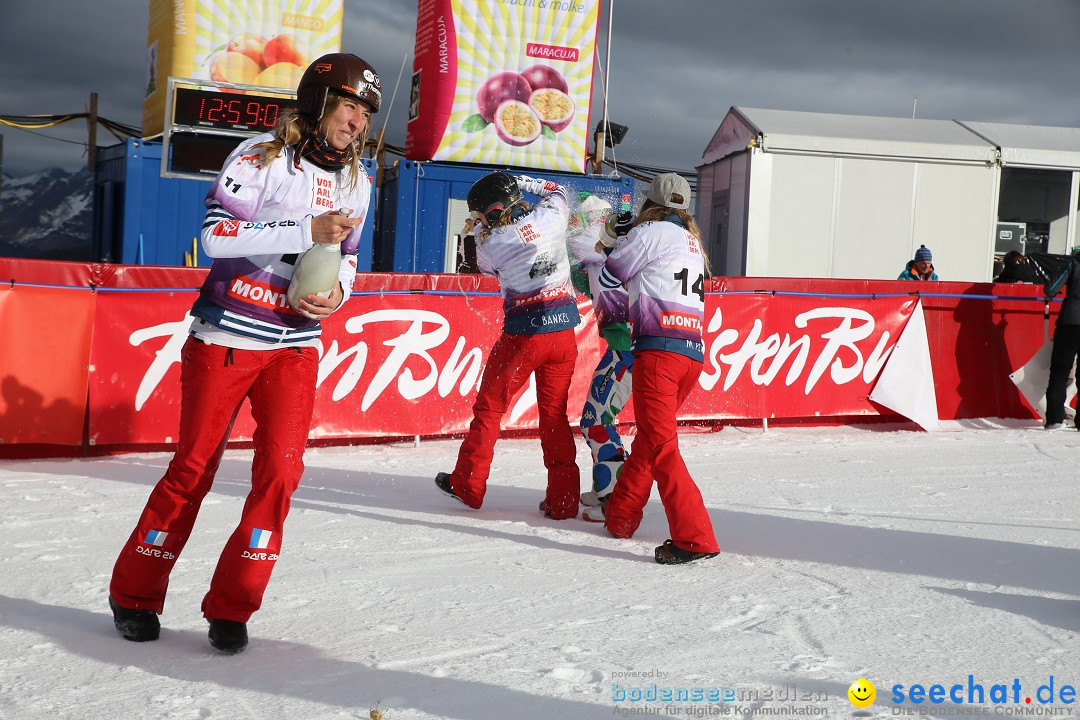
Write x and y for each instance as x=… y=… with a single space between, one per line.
x=90 y=355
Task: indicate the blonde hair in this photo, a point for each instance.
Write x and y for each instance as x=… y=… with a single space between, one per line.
x=651 y=212
x=293 y=127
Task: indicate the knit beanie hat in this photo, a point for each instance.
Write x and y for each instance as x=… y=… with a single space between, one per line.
x=923 y=253
x=592 y=210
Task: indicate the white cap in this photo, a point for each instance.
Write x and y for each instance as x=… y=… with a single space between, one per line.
x=665 y=187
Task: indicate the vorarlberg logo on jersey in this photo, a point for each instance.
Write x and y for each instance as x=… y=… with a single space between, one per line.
x=528 y=233
x=260 y=539
x=155 y=538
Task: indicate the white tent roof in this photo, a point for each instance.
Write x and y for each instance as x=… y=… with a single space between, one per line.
x=1032 y=145
x=853 y=135
x=866 y=136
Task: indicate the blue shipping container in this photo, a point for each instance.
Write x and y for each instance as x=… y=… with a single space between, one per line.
x=141 y=218
x=415 y=209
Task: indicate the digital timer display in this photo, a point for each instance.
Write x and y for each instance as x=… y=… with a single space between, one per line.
x=228 y=111
x=200 y=153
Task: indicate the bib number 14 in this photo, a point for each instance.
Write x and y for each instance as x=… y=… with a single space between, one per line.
x=698 y=288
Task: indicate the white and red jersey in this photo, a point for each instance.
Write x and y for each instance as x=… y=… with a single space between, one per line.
x=258 y=222
x=529 y=257
x=662 y=265
x=612 y=318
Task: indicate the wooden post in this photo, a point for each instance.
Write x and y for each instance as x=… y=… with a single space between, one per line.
x=91 y=143
x=598 y=152
x=380 y=159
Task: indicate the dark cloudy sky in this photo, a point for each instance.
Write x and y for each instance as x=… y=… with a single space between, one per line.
x=676 y=65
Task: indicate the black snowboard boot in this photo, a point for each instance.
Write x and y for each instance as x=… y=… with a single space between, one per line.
x=228 y=635
x=135 y=625
x=671 y=554
x=442 y=481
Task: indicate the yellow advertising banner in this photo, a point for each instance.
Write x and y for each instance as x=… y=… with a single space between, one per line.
x=503 y=82
x=267 y=43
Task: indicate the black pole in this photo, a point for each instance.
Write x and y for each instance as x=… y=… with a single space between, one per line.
x=91 y=121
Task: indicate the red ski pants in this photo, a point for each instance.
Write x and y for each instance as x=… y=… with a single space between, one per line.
x=513 y=358
x=280 y=386
x=662 y=380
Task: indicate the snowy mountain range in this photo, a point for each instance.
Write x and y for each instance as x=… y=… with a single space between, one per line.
x=47 y=215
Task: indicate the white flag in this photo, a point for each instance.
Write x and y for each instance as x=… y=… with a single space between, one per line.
x=906 y=383
x=1031 y=380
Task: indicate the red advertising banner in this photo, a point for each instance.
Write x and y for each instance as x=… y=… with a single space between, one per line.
x=44 y=363
x=391 y=365
x=405 y=355
x=410 y=364
x=772 y=356
x=135 y=386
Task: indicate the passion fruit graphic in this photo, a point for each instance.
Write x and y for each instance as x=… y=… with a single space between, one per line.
x=554 y=108
x=516 y=123
x=542 y=76
x=499 y=88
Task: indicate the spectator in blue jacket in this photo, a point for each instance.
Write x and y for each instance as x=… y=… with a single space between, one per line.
x=921 y=268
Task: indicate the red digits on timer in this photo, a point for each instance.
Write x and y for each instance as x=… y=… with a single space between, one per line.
x=259 y=114
x=255 y=113
x=213 y=113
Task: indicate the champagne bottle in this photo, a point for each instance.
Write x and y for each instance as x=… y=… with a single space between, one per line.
x=316 y=272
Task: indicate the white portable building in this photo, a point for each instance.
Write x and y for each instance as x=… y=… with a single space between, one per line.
x=799 y=194
x=1040 y=183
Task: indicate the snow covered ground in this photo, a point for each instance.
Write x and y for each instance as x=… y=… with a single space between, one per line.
x=869 y=552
